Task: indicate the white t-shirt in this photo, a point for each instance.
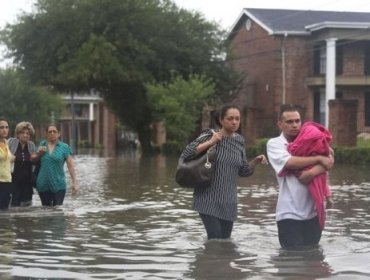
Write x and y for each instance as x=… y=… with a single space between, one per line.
x=294 y=201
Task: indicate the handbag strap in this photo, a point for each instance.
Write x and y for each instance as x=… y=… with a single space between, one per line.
x=208 y=164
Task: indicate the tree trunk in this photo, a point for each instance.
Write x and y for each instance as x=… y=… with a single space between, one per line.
x=144 y=134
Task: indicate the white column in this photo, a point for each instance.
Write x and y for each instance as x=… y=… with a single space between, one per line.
x=330 y=76
x=91 y=112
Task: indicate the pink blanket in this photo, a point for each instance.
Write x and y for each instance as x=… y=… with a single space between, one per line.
x=314 y=139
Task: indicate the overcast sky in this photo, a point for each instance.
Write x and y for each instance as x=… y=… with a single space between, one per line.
x=224 y=12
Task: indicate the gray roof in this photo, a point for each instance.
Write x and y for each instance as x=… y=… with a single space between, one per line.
x=303 y=22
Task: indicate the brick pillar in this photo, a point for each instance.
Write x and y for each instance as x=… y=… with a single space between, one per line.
x=343 y=121
x=250 y=120
x=207 y=121
x=159 y=132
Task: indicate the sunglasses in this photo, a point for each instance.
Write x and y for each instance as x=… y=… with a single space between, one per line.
x=53 y=131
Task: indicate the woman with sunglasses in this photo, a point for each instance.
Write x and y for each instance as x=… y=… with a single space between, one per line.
x=53 y=153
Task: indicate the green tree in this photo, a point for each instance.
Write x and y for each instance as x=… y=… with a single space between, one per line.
x=116 y=47
x=21 y=101
x=180 y=102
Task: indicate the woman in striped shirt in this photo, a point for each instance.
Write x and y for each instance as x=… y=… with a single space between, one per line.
x=217 y=204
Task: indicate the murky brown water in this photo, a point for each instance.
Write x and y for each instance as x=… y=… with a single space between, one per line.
x=131 y=221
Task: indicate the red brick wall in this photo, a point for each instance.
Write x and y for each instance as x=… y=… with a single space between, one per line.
x=353 y=59
x=343 y=114
x=259 y=56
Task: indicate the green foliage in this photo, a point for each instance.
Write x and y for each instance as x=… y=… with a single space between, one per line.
x=257 y=149
x=352 y=155
x=363 y=143
x=116 y=47
x=348 y=155
x=179 y=102
x=21 y=101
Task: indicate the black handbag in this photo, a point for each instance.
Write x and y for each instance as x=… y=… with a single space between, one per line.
x=197 y=172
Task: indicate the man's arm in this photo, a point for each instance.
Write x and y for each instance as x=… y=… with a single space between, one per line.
x=295 y=162
x=306 y=176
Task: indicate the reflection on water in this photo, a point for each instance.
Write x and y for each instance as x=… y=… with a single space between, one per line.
x=131 y=221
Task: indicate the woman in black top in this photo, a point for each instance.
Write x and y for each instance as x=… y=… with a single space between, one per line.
x=24 y=151
x=217 y=204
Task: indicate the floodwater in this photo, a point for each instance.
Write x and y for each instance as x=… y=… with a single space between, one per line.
x=131 y=221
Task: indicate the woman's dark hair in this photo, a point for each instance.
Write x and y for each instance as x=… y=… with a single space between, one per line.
x=221 y=113
x=4 y=119
x=52 y=124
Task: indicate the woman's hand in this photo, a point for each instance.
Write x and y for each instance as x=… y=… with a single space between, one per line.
x=41 y=151
x=216 y=137
x=261 y=159
x=74 y=187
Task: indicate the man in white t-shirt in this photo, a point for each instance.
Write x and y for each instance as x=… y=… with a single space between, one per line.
x=296 y=217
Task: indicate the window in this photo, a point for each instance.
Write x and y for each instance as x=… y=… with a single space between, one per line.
x=367 y=59
x=319 y=105
x=339 y=60
x=319 y=60
x=78 y=110
x=339 y=95
x=316 y=60
x=367 y=108
x=322 y=60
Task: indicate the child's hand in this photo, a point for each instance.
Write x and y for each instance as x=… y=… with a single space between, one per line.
x=329 y=202
x=306 y=176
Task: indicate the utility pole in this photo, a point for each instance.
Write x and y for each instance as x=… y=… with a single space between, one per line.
x=73 y=124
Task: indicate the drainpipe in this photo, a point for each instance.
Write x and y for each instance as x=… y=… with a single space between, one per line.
x=283 y=77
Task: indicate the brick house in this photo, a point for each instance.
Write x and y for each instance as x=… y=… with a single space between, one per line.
x=95 y=125
x=300 y=57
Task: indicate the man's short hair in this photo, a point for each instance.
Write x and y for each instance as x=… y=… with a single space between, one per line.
x=289 y=108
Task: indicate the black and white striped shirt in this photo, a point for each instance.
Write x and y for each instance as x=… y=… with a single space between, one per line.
x=220 y=199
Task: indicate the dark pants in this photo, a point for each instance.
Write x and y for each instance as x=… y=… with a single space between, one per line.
x=22 y=194
x=52 y=199
x=217 y=228
x=295 y=233
x=5 y=195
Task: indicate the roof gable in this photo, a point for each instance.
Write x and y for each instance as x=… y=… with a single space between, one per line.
x=303 y=22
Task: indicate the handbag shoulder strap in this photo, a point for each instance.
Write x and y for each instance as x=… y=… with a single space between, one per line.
x=206 y=134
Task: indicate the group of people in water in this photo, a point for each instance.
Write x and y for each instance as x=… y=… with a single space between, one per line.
x=23 y=166
x=300 y=156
